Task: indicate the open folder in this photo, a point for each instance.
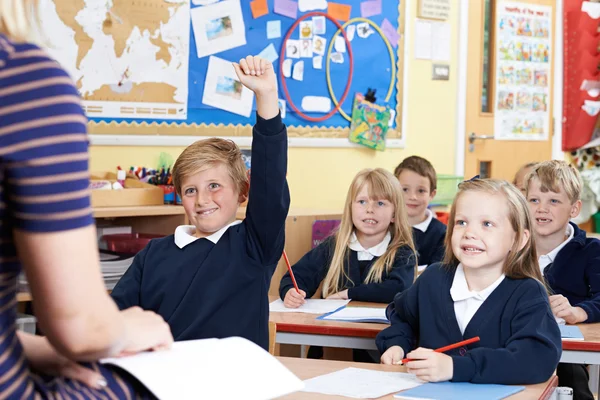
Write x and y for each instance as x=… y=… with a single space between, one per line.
x=229 y=368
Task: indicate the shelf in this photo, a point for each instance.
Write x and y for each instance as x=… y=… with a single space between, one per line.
x=138 y=211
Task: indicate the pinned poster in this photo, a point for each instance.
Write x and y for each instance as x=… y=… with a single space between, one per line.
x=339 y=11
x=287 y=8
x=370 y=8
x=259 y=8
x=273 y=29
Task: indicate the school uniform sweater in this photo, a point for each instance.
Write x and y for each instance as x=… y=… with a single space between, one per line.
x=575 y=273
x=429 y=242
x=520 y=340
x=217 y=290
x=311 y=269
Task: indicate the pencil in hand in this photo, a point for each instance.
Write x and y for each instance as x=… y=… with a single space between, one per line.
x=445 y=348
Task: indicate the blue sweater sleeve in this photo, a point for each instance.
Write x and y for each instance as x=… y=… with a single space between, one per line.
x=126 y=292
x=530 y=355
x=269 y=197
x=592 y=277
x=310 y=270
x=400 y=278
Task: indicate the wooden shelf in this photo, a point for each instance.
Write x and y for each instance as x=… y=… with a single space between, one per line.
x=139 y=211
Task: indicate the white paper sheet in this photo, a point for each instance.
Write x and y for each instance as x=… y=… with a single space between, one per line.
x=319 y=25
x=319 y=45
x=211 y=369
x=311 y=5
x=318 y=62
x=292 y=48
x=223 y=90
x=298 y=72
x=218 y=27
x=422 y=40
x=306 y=29
x=273 y=29
x=340 y=44
x=269 y=53
x=312 y=306
x=350 y=31
x=361 y=383
x=282 y=107
x=359 y=314
x=306 y=50
x=337 y=58
x=316 y=104
x=287 y=68
x=440 y=41
x=364 y=30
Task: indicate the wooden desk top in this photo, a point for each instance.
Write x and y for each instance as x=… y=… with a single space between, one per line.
x=305 y=368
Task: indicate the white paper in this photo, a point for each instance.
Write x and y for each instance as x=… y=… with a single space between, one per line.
x=292 y=48
x=306 y=29
x=361 y=383
x=440 y=40
x=340 y=44
x=218 y=27
x=203 y=2
x=223 y=90
x=298 y=72
x=318 y=62
x=337 y=58
x=319 y=25
x=269 y=53
x=392 y=118
x=364 y=30
x=319 y=45
x=310 y=5
x=316 y=104
x=282 y=107
x=312 y=306
x=211 y=369
x=273 y=29
x=423 y=40
x=591 y=8
x=359 y=313
x=350 y=31
x=306 y=50
x=287 y=68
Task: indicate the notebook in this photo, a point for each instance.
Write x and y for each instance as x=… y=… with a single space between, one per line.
x=459 y=390
x=312 y=306
x=357 y=314
x=570 y=332
x=211 y=369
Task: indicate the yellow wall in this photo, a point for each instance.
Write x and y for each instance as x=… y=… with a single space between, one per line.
x=319 y=177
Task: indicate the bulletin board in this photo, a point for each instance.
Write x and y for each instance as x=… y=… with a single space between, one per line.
x=371 y=69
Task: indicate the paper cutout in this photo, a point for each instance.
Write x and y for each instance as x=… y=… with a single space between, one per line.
x=282 y=107
x=319 y=45
x=319 y=25
x=339 y=11
x=350 y=31
x=370 y=123
x=370 y=8
x=390 y=32
x=287 y=68
x=292 y=48
x=337 y=58
x=306 y=29
x=312 y=306
x=218 y=27
x=259 y=8
x=269 y=53
x=306 y=48
x=273 y=29
x=316 y=104
x=203 y=2
x=298 y=73
x=364 y=30
x=223 y=90
x=318 y=62
x=287 y=8
x=340 y=44
x=311 y=5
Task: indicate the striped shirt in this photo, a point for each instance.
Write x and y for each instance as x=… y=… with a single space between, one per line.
x=45 y=179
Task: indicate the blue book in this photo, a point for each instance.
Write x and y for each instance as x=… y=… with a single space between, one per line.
x=357 y=314
x=459 y=390
x=570 y=332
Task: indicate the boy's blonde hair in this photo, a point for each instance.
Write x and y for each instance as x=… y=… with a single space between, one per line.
x=519 y=264
x=382 y=185
x=557 y=176
x=420 y=166
x=209 y=153
x=19 y=20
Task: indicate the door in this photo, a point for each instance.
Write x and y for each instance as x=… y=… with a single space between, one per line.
x=485 y=155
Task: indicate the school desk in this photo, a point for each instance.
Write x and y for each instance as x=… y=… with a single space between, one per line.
x=585 y=351
x=305 y=369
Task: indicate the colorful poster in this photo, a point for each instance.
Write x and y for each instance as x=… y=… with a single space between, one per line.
x=522 y=95
x=370 y=123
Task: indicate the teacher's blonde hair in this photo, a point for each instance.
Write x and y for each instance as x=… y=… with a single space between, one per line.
x=19 y=20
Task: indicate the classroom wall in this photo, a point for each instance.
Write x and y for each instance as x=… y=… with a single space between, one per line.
x=319 y=177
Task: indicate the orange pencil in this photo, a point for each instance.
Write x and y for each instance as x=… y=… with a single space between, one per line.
x=289 y=267
x=446 y=348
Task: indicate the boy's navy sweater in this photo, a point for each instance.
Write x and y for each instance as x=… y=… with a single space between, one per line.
x=430 y=244
x=575 y=273
x=520 y=340
x=207 y=290
x=311 y=269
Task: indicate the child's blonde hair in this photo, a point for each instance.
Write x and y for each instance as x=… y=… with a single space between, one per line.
x=382 y=185
x=520 y=263
x=523 y=168
x=209 y=153
x=19 y=20
x=555 y=175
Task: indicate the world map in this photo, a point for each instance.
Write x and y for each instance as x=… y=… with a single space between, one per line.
x=128 y=58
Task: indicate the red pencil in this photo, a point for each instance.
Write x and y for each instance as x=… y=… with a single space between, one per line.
x=446 y=348
x=289 y=267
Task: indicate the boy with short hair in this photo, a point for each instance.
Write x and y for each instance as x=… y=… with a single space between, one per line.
x=419 y=182
x=211 y=279
x=519 y=179
x=570 y=262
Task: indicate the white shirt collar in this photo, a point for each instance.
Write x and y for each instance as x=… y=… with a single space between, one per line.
x=460 y=289
x=184 y=234
x=422 y=226
x=546 y=259
x=368 y=254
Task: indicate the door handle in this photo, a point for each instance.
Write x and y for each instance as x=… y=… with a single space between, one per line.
x=473 y=137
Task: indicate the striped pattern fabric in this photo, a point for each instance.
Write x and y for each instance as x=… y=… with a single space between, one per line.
x=45 y=178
